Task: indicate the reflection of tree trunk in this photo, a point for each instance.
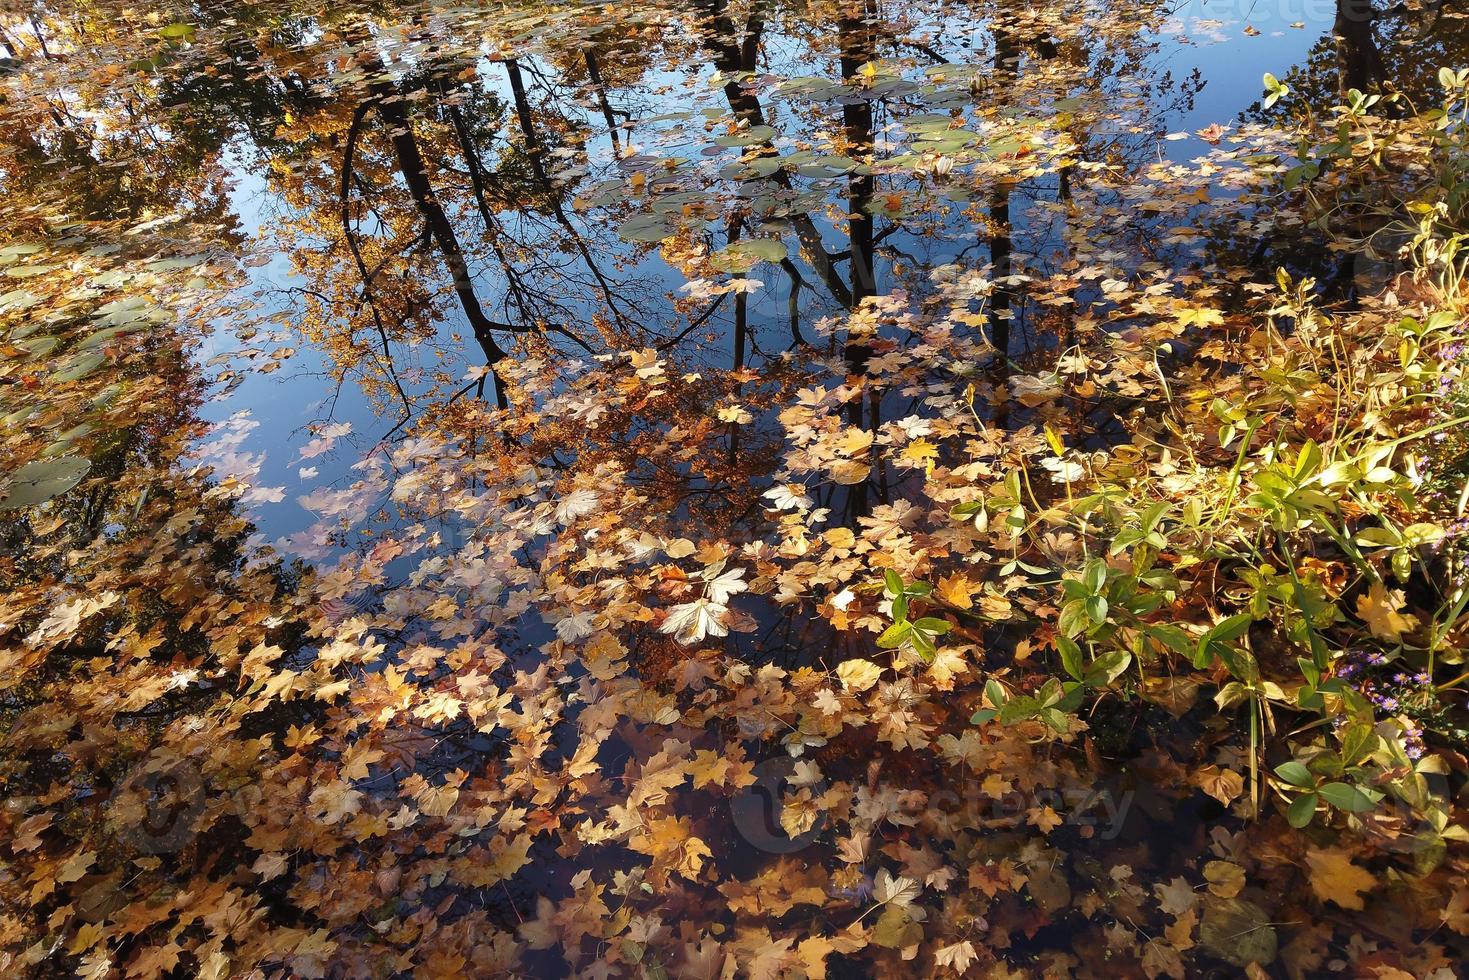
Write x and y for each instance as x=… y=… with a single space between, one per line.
x=1359 y=61
x=1000 y=247
x=1359 y=66
x=533 y=149
x=732 y=59
x=594 y=75
x=793 y=301
x=415 y=175
x=856 y=44
x=1001 y=265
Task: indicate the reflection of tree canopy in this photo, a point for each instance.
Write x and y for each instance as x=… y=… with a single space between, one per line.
x=482 y=192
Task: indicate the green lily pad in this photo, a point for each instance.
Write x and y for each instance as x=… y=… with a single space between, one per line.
x=30 y=271
x=647 y=228
x=102 y=337
x=38 y=346
x=746 y=137
x=37 y=482
x=742 y=255
x=78 y=366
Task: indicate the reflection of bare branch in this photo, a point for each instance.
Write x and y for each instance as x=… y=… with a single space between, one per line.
x=348 y=157
x=695 y=324
x=534 y=150
x=919 y=46
x=492 y=225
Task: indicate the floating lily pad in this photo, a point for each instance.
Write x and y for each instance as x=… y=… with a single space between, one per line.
x=37 y=482
x=18 y=299
x=102 y=337
x=746 y=137
x=741 y=256
x=78 y=366
x=648 y=228
x=30 y=271
x=38 y=346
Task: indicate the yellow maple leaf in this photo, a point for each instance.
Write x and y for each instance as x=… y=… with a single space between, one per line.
x=709 y=768
x=1187 y=316
x=858 y=675
x=854 y=441
x=1335 y=878
x=921 y=452
x=1379 y=609
x=1225 y=878
x=956 y=590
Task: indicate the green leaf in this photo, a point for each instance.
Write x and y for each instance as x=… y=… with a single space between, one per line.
x=1345 y=796
x=1358 y=741
x=1173 y=638
x=1217 y=639
x=895 y=635
x=933 y=625
x=1296 y=774
x=983 y=716
x=1070 y=655
x=1019 y=709
x=1107 y=668
x=893 y=581
x=1096 y=609
x=1301 y=810
x=923 y=644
